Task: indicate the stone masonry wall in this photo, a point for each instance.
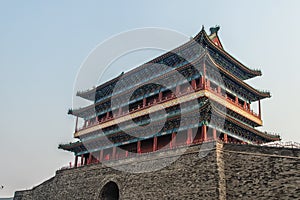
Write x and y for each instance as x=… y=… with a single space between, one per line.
x=229 y=171
x=254 y=172
x=189 y=177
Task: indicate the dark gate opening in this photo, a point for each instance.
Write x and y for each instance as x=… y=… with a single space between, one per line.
x=110 y=191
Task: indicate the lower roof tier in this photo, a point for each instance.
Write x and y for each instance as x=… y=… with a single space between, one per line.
x=179 y=137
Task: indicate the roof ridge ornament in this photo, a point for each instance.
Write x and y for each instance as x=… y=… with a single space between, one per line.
x=214 y=29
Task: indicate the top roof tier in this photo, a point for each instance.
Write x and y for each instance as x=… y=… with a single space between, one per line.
x=210 y=42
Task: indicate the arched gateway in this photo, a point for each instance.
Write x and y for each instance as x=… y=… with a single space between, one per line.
x=110 y=191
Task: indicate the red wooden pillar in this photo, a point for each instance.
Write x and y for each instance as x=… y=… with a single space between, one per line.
x=101 y=156
x=90 y=158
x=160 y=96
x=194 y=86
x=76 y=161
x=225 y=138
x=107 y=115
x=219 y=89
x=155 y=144
x=114 y=151
x=85 y=160
x=215 y=134
x=189 y=136
x=81 y=161
x=173 y=139
x=204 y=83
x=208 y=83
x=201 y=82
x=139 y=150
x=144 y=102
x=204 y=133
x=259 y=109
x=245 y=105
x=236 y=100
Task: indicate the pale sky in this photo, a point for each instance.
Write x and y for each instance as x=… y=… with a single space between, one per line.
x=43 y=44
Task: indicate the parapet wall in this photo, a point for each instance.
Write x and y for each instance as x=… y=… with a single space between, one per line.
x=229 y=171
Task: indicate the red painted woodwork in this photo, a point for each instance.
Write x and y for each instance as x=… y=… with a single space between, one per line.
x=139 y=151
x=114 y=150
x=155 y=143
x=173 y=142
x=101 y=155
x=76 y=161
x=90 y=159
x=225 y=138
x=204 y=132
x=189 y=136
x=215 y=134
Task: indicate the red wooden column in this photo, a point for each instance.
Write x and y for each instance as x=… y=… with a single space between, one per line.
x=101 y=156
x=81 y=161
x=208 y=83
x=219 y=89
x=245 y=105
x=76 y=161
x=160 y=96
x=204 y=133
x=204 y=83
x=139 y=151
x=144 y=102
x=194 y=86
x=189 y=136
x=173 y=143
x=215 y=134
x=114 y=150
x=259 y=109
x=201 y=82
x=85 y=160
x=236 y=100
x=155 y=144
x=225 y=138
x=90 y=158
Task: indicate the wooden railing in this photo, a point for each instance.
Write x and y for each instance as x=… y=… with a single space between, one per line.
x=168 y=98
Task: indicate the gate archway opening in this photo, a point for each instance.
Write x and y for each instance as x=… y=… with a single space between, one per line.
x=110 y=191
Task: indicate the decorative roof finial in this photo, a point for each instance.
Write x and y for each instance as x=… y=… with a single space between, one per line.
x=214 y=29
x=202 y=28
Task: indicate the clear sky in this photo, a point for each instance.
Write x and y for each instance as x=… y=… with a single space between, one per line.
x=43 y=44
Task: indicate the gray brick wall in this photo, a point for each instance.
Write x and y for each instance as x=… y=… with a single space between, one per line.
x=229 y=171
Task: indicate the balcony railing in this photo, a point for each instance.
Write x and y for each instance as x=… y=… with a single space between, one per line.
x=168 y=98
